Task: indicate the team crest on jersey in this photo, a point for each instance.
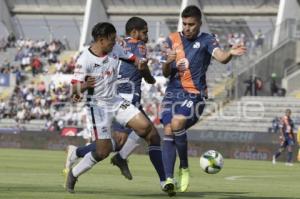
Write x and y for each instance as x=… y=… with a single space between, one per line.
x=196 y=44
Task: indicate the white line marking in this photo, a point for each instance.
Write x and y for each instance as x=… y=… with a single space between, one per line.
x=238 y=177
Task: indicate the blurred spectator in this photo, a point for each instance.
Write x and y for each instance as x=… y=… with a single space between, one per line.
x=273 y=86
x=2 y=108
x=275 y=89
x=11 y=39
x=3 y=44
x=58 y=67
x=259 y=38
x=36 y=65
x=52 y=58
x=249 y=86
x=258 y=85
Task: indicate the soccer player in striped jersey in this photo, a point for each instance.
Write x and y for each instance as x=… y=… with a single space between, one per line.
x=188 y=58
x=287 y=138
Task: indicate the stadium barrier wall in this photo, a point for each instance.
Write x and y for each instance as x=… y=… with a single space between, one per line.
x=274 y=62
x=38 y=140
x=236 y=145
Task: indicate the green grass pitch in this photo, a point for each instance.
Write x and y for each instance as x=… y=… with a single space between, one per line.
x=36 y=174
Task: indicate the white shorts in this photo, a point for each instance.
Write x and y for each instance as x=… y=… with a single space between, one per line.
x=100 y=118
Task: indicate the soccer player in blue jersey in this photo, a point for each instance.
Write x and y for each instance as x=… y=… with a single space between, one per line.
x=287 y=138
x=129 y=89
x=188 y=58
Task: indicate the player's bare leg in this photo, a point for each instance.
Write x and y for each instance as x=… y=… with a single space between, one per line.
x=103 y=149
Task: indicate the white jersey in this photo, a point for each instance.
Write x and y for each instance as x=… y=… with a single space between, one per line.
x=105 y=69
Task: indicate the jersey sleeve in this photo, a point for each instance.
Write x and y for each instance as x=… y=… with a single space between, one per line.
x=122 y=53
x=80 y=71
x=141 y=50
x=212 y=44
x=166 y=46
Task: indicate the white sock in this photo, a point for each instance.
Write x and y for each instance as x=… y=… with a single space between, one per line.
x=132 y=142
x=84 y=165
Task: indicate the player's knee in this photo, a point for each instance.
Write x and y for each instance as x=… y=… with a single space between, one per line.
x=96 y=156
x=178 y=124
x=145 y=129
x=168 y=130
x=153 y=136
x=100 y=155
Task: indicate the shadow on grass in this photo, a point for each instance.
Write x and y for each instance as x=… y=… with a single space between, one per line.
x=4 y=188
x=30 y=188
x=219 y=195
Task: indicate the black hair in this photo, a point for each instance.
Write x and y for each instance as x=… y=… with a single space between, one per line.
x=191 y=11
x=135 y=23
x=103 y=29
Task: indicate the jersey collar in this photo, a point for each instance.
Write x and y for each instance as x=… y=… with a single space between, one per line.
x=181 y=33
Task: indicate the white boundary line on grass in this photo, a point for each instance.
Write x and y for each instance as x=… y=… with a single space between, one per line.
x=239 y=177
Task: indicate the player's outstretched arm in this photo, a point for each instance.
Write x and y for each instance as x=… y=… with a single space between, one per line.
x=225 y=56
x=145 y=72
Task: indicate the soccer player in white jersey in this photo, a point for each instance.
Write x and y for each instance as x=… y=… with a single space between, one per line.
x=130 y=77
x=95 y=76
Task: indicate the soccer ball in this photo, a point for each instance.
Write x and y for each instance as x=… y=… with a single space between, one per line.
x=211 y=162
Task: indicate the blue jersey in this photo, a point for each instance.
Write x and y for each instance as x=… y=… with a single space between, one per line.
x=129 y=73
x=188 y=72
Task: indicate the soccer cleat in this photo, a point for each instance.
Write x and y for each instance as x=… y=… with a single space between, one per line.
x=169 y=187
x=70 y=183
x=65 y=174
x=118 y=161
x=183 y=180
x=71 y=156
x=273 y=159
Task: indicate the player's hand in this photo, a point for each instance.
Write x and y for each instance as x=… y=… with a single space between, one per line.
x=142 y=64
x=90 y=82
x=76 y=98
x=238 y=49
x=171 y=56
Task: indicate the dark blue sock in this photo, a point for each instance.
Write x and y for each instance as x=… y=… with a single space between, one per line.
x=182 y=148
x=169 y=155
x=290 y=157
x=83 y=150
x=277 y=154
x=156 y=159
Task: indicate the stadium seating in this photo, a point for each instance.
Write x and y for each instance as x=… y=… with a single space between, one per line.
x=250 y=114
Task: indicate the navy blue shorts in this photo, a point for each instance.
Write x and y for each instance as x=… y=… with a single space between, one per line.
x=187 y=104
x=288 y=141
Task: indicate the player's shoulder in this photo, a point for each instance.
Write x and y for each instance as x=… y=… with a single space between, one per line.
x=207 y=36
x=83 y=55
x=134 y=42
x=174 y=36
